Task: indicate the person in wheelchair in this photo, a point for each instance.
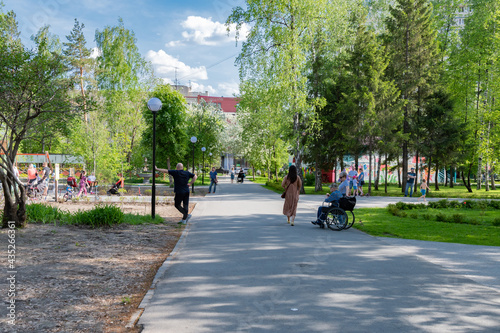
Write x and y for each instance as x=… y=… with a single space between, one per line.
x=333 y=199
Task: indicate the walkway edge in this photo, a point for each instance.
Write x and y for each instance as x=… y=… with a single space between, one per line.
x=159 y=274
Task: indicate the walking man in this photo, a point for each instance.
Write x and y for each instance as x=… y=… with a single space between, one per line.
x=410 y=181
x=181 y=189
x=213 y=180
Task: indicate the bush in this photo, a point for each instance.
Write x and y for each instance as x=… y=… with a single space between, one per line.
x=440 y=217
x=414 y=216
x=43 y=213
x=439 y=204
x=309 y=179
x=495 y=204
x=470 y=204
x=393 y=209
x=496 y=222
x=427 y=216
x=99 y=216
x=458 y=218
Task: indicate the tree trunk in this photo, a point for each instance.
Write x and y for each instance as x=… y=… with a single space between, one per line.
x=468 y=178
x=445 y=176
x=493 y=178
x=465 y=182
x=416 y=173
x=170 y=178
x=436 y=183
x=377 y=175
x=479 y=170
x=486 y=175
x=317 y=178
x=429 y=171
x=452 y=177
x=399 y=173
x=14 y=207
x=370 y=172
x=386 y=172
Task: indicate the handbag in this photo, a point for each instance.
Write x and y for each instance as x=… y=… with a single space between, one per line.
x=283 y=195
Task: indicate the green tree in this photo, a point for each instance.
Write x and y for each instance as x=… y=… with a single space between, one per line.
x=33 y=84
x=276 y=51
x=171 y=137
x=124 y=79
x=411 y=44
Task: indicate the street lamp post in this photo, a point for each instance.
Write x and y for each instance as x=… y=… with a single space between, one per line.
x=154 y=104
x=210 y=154
x=193 y=140
x=203 y=167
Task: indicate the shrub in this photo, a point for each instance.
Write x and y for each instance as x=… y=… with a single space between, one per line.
x=439 y=204
x=427 y=216
x=470 y=204
x=440 y=217
x=402 y=206
x=43 y=213
x=496 y=222
x=458 y=218
x=414 y=216
x=99 y=216
x=309 y=179
x=495 y=204
x=393 y=209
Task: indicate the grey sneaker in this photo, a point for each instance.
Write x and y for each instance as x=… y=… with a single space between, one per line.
x=182 y=222
x=188 y=217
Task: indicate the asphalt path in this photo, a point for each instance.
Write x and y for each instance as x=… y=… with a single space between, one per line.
x=239 y=267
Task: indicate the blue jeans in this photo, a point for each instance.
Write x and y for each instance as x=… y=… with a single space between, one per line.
x=212 y=182
x=410 y=186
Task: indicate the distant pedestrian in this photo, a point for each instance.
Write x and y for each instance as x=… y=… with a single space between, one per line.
x=83 y=183
x=355 y=185
x=32 y=174
x=181 y=189
x=423 y=189
x=361 y=181
x=292 y=184
x=351 y=175
x=233 y=173
x=45 y=179
x=213 y=180
x=410 y=182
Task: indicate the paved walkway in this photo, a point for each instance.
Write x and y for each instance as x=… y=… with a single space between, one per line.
x=239 y=267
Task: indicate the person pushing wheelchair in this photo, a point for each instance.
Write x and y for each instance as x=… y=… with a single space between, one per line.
x=338 y=191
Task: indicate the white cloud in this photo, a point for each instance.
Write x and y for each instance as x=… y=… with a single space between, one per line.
x=166 y=66
x=174 y=43
x=201 y=88
x=204 y=31
x=228 y=89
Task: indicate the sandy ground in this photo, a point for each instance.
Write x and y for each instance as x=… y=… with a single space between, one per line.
x=77 y=279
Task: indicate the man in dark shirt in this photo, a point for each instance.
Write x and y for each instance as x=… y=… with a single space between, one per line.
x=410 y=182
x=181 y=189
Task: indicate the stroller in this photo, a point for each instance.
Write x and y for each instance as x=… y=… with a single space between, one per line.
x=114 y=188
x=34 y=190
x=241 y=176
x=70 y=184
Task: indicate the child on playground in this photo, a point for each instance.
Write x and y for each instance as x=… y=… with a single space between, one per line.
x=423 y=189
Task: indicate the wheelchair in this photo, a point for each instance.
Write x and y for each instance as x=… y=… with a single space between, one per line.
x=336 y=217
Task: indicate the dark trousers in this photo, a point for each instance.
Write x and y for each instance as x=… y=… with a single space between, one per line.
x=184 y=199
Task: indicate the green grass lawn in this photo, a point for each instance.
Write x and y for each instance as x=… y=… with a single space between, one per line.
x=422 y=224
x=395 y=191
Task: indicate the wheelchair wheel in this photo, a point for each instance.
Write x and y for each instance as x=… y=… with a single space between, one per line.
x=351 y=222
x=337 y=219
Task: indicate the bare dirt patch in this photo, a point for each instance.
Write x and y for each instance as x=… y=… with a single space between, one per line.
x=77 y=279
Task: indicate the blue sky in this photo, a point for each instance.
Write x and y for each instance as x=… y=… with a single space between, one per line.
x=185 y=36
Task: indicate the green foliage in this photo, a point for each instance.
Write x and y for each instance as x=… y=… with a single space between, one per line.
x=309 y=179
x=441 y=217
x=100 y=216
x=42 y=213
x=496 y=222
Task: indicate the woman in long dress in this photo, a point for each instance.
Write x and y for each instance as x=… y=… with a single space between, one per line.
x=293 y=185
